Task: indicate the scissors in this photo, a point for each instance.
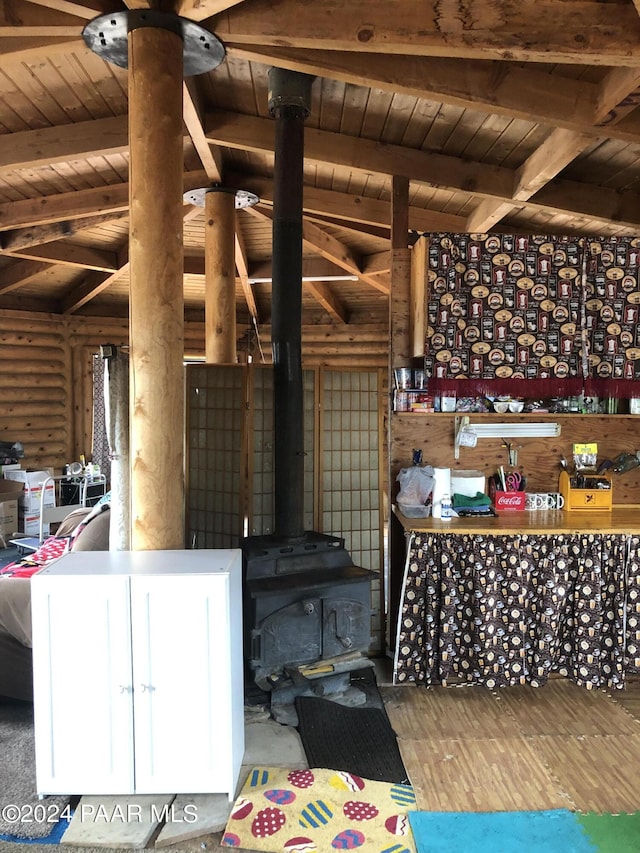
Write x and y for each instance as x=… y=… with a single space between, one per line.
x=514 y=481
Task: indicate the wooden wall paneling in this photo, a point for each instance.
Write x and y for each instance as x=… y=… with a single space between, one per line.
x=539 y=458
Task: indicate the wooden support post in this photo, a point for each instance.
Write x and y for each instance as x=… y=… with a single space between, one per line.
x=156 y=290
x=399 y=356
x=419 y=296
x=220 y=277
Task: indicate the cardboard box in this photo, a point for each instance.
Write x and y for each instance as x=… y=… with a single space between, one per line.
x=8 y=518
x=30 y=497
x=29 y=524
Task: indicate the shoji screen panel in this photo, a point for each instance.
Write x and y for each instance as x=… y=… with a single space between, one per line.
x=216 y=450
x=350 y=476
x=260 y=474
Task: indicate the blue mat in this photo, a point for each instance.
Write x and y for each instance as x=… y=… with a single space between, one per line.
x=554 y=831
x=55 y=836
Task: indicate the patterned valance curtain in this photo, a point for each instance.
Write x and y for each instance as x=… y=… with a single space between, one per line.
x=559 y=313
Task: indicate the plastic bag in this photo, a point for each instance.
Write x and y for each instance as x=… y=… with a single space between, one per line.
x=416 y=486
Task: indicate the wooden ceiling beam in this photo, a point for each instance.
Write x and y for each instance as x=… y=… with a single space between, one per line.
x=251 y=133
x=573 y=197
x=24 y=238
x=488 y=85
x=242 y=268
x=29 y=149
x=70 y=255
x=20 y=273
x=198 y=10
x=90 y=287
x=75 y=205
x=327 y=298
x=560 y=148
x=600 y=34
x=78 y=10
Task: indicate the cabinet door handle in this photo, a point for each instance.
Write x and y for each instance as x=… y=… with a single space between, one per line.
x=148 y=687
x=126 y=688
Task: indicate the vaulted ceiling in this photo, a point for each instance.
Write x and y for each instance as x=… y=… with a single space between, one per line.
x=511 y=117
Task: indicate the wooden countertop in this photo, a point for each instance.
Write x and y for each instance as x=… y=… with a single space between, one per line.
x=622 y=519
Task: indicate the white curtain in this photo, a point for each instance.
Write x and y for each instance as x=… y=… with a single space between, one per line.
x=117 y=423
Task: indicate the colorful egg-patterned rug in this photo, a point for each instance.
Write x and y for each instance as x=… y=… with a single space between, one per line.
x=301 y=811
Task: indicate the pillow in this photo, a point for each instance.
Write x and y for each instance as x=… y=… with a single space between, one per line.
x=71 y=521
x=94 y=535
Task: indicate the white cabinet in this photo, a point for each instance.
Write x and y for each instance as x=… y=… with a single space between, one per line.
x=138 y=672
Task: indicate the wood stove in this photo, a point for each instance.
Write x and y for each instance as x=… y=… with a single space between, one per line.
x=304 y=600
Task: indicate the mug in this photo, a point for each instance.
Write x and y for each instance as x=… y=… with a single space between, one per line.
x=554 y=500
x=543 y=500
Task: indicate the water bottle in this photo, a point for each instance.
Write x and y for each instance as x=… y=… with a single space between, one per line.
x=445 y=508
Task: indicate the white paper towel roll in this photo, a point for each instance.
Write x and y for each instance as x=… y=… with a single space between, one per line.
x=441 y=486
x=467 y=483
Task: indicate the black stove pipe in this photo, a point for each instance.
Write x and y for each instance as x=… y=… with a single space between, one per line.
x=289 y=98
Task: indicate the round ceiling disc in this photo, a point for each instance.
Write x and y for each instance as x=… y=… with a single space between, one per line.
x=243 y=198
x=108 y=36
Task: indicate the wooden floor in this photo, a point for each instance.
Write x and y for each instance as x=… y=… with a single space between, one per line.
x=520 y=748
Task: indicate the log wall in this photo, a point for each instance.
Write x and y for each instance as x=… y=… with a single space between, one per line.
x=46 y=366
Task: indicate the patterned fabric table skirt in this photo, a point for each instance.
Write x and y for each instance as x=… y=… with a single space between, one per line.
x=502 y=610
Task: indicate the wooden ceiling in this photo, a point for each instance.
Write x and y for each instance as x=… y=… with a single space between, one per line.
x=513 y=117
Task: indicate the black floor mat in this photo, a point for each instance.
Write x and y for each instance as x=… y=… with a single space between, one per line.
x=357 y=740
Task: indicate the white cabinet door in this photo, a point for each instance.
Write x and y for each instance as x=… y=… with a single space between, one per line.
x=181 y=662
x=82 y=684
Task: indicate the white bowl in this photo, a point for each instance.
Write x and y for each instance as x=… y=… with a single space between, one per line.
x=500 y=406
x=516 y=406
